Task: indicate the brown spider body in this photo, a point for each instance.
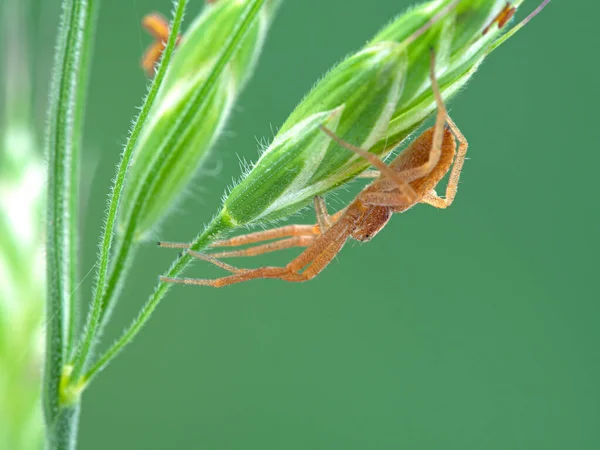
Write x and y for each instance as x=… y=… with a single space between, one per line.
x=364 y=214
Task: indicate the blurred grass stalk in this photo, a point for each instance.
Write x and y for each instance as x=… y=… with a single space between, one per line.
x=21 y=243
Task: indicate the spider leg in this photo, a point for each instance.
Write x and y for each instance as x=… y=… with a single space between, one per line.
x=440 y=15
x=432 y=198
x=323 y=218
x=395 y=199
x=390 y=199
x=296 y=241
x=211 y=259
x=370 y=174
x=438 y=132
x=258 y=236
x=297 y=236
x=266 y=235
x=290 y=236
x=317 y=256
x=375 y=161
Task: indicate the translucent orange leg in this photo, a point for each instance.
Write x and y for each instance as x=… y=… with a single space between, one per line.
x=296 y=241
x=297 y=236
x=315 y=258
x=369 y=174
x=407 y=191
x=324 y=220
x=258 y=236
x=393 y=199
x=438 y=132
x=452 y=187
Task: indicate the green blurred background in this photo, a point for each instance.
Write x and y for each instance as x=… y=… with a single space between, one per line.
x=470 y=328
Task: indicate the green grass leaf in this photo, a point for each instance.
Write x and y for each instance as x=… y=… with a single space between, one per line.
x=217 y=226
x=85 y=346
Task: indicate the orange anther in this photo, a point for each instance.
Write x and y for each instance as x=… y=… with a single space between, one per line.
x=502 y=18
x=158 y=27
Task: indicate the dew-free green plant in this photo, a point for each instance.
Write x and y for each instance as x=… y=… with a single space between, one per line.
x=21 y=247
x=375 y=99
x=66 y=362
x=196 y=56
x=298 y=145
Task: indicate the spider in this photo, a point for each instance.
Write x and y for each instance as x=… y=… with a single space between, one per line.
x=409 y=179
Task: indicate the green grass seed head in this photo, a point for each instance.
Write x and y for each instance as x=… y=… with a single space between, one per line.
x=197 y=53
x=373 y=99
